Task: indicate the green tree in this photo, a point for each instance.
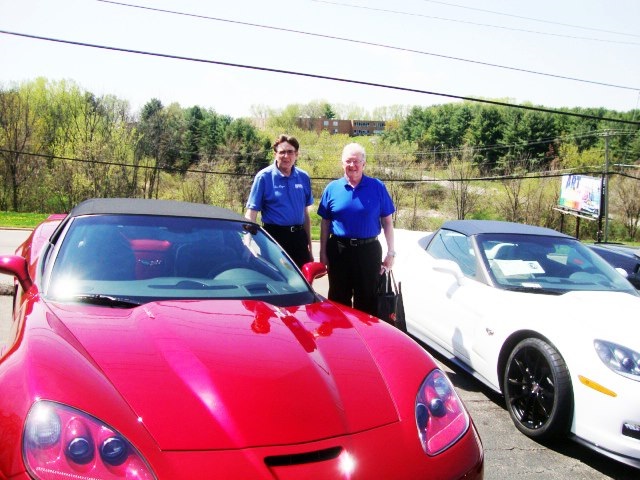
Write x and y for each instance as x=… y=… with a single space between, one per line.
x=104 y=146
x=528 y=134
x=243 y=154
x=327 y=111
x=212 y=133
x=464 y=196
x=395 y=113
x=21 y=140
x=203 y=135
x=570 y=157
x=287 y=120
x=192 y=137
x=160 y=132
x=486 y=134
x=625 y=198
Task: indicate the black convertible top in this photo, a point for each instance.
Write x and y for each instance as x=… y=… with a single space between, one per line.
x=140 y=206
x=476 y=227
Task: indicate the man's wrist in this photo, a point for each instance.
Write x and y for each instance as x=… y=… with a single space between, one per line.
x=391 y=253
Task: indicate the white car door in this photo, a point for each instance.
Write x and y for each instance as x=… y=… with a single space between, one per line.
x=429 y=310
x=435 y=294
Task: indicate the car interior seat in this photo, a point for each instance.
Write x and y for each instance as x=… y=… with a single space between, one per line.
x=199 y=259
x=105 y=254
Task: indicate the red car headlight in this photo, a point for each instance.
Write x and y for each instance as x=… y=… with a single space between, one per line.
x=440 y=416
x=61 y=442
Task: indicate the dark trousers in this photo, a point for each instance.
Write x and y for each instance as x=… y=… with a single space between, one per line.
x=353 y=273
x=295 y=242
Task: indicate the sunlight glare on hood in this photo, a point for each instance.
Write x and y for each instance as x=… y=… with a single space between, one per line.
x=347 y=464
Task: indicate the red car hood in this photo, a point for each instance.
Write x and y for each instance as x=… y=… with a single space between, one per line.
x=235 y=374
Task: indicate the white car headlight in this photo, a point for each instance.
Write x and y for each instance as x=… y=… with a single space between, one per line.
x=620 y=359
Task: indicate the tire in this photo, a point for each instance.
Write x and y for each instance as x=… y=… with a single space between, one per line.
x=537 y=390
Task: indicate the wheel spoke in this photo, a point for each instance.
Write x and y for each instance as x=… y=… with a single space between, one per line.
x=541 y=413
x=521 y=365
x=535 y=388
x=518 y=397
x=528 y=412
x=531 y=388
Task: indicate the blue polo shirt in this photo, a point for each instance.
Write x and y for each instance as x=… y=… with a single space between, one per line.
x=356 y=212
x=281 y=199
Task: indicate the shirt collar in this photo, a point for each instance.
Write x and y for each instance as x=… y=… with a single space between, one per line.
x=294 y=172
x=363 y=180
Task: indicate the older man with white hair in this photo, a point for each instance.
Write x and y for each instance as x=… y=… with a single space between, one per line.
x=354 y=210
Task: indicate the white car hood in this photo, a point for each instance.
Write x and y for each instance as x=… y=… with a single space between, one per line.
x=609 y=316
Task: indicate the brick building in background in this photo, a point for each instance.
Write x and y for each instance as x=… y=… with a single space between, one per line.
x=353 y=128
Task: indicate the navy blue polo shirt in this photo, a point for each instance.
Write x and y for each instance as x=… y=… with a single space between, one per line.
x=356 y=212
x=281 y=199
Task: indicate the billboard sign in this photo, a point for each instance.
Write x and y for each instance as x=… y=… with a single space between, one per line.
x=581 y=194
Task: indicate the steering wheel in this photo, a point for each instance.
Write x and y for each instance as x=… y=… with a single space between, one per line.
x=224 y=266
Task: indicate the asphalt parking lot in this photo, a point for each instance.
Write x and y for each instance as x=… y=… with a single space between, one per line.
x=508 y=454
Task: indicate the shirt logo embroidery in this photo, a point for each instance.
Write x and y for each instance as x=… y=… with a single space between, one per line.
x=299 y=185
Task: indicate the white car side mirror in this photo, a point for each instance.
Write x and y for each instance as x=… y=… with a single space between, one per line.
x=622 y=272
x=450 y=267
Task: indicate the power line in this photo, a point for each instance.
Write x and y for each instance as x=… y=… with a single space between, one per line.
x=372 y=44
x=165 y=168
x=585 y=171
x=530 y=143
x=475 y=149
x=546 y=21
x=323 y=77
x=396 y=12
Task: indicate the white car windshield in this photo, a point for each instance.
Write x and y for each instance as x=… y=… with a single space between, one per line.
x=549 y=264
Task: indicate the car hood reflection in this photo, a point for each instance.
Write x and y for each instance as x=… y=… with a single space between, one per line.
x=247 y=373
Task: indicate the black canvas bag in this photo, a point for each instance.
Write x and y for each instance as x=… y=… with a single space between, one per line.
x=389 y=299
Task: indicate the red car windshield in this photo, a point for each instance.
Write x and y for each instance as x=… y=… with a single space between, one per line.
x=136 y=259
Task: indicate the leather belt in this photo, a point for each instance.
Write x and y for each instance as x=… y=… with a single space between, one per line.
x=355 y=242
x=286 y=228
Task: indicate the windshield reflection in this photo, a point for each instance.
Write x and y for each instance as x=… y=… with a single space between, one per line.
x=541 y=264
x=150 y=258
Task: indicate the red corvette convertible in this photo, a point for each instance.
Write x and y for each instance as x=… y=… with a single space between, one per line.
x=167 y=340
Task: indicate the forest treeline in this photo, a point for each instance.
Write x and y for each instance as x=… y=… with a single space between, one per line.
x=60 y=144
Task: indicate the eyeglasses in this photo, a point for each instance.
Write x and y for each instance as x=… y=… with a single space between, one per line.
x=352 y=161
x=286 y=152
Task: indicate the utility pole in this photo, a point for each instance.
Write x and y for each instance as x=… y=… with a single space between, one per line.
x=606 y=185
x=604 y=194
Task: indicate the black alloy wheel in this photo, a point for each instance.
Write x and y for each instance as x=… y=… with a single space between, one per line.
x=537 y=390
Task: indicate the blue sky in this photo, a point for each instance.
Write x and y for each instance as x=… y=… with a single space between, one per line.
x=592 y=40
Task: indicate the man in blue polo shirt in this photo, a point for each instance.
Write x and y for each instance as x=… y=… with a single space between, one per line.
x=354 y=209
x=282 y=192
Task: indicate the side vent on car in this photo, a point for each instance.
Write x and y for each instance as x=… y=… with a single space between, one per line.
x=302 y=458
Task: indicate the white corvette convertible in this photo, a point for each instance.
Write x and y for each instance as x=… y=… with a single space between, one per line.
x=536 y=316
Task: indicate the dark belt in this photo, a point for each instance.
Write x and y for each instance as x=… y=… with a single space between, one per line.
x=355 y=242
x=284 y=228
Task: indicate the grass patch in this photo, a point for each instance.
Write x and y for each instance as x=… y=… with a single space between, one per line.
x=21 y=220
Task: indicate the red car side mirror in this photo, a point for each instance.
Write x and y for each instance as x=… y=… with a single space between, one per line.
x=313 y=270
x=16 y=266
